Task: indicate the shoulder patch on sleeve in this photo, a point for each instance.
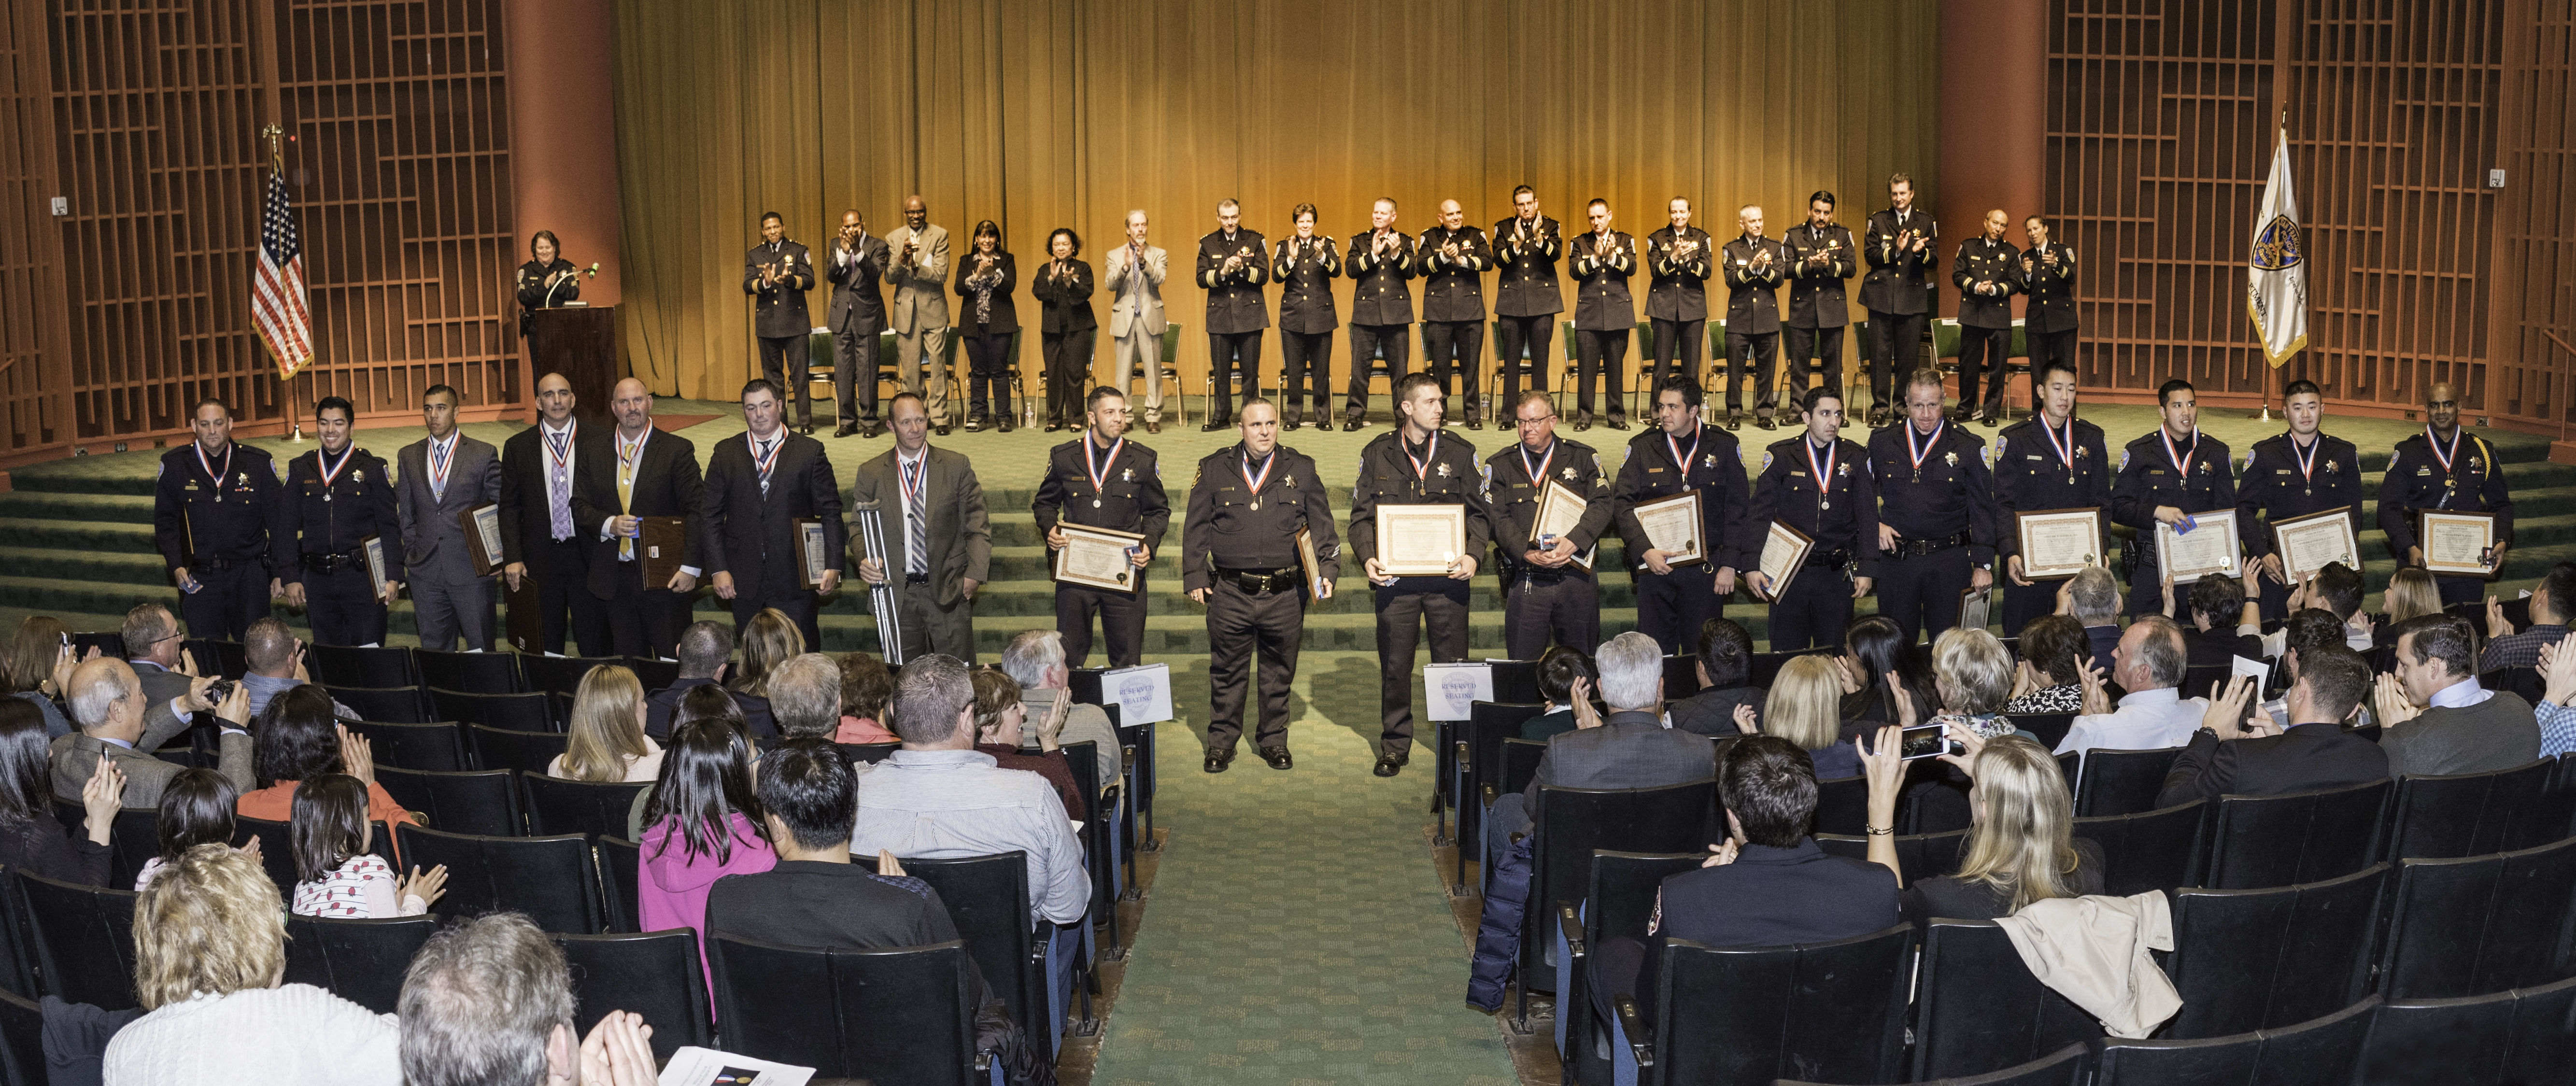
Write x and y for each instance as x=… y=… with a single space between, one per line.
x=1766 y=460
x=160 y=469
x=2249 y=459
x=1740 y=457
x=2124 y=459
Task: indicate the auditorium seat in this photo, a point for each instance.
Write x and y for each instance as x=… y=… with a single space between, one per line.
x=2155 y=850
x=1516 y=681
x=1978 y=1009
x=480 y=672
x=563 y=674
x=1681 y=676
x=2457 y=1042
x=2479 y=925
x=2050 y=728
x=2068 y=1066
x=1919 y=855
x=653 y=673
x=2267 y=959
x=1572 y=823
x=988 y=899
x=2464 y=814
x=484 y=802
x=431 y=748
x=2321 y=1052
x=277 y=849
x=2118 y=782
x=549 y=878
x=135 y=840
x=1766 y=666
x=1740 y=1016
x=653 y=974
x=620 y=863
x=81 y=939
x=888 y=1015
x=2262 y=841
x=501 y=748
x=854 y=753
x=391 y=704
x=1476 y=758
x=1842 y=806
x=589 y=808
x=22 y=1041
x=217 y=657
x=361 y=961
x=336 y=666
x=528 y=712
x=1618 y=898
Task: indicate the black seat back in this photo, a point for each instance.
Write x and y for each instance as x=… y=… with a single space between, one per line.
x=2051 y=728
x=83 y=940
x=22 y=1041
x=1834 y=1012
x=218 y=657
x=1516 y=681
x=2525 y=682
x=2117 y=782
x=2320 y=1052
x=361 y=961
x=1681 y=676
x=2156 y=850
x=1520 y=764
x=2462 y=814
x=620 y=862
x=483 y=802
x=2457 y=1042
x=655 y=974
x=590 y=808
x=435 y=748
x=1573 y=823
x=502 y=748
x=559 y=674
x=1618 y=899
x=653 y=674
x=2479 y=925
x=2542 y=1046
x=2068 y=1066
x=891 y=1015
x=529 y=712
x=2272 y=958
x=1488 y=724
x=336 y=666
x=1842 y=806
x=391 y=704
x=549 y=878
x=1765 y=666
x=854 y=753
x=133 y=842
x=276 y=850
x=2265 y=841
x=988 y=900
x=1920 y=855
x=481 y=672
x=1978 y=1009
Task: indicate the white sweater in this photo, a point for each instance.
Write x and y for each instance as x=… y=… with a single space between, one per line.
x=290 y=1035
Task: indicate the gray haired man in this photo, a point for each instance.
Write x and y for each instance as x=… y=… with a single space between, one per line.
x=1035 y=660
x=1632 y=747
x=488 y=1002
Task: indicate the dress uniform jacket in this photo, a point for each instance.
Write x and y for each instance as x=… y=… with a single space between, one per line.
x=2052 y=290
x=1816 y=286
x=225 y=516
x=2149 y=477
x=335 y=517
x=920 y=292
x=1129 y=497
x=1678 y=291
x=1378 y=293
x=1527 y=287
x=752 y=536
x=1842 y=518
x=2276 y=484
x=667 y=484
x=1715 y=468
x=534 y=294
x=2032 y=474
x=1453 y=290
x=1753 y=294
x=1951 y=493
x=2417 y=480
x=855 y=289
x=1900 y=282
x=778 y=309
x=1512 y=500
x=1305 y=274
x=1601 y=299
x=1230 y=526
x=1449 y=476
x=1983 y=261
x=1234 y=302
x=1064 y=302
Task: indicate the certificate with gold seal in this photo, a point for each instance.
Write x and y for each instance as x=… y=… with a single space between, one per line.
x=2457 y=543
x=2210 y=547
x=1673 y=526
x=2311 y=543
x=2058 y=543
x=1560 y=509
x=1097 y=557
x=1421 y=540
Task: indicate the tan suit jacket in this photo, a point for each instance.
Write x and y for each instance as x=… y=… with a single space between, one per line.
x=1126 y=312
x=920 y=292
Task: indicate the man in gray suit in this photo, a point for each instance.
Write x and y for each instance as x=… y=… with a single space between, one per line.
x=936 y=536
x=443 y=475
x=153 y=642
x=857 y=315
x=919 y=272
x=114 y=715
x=1630 y=748
x=1135 y=280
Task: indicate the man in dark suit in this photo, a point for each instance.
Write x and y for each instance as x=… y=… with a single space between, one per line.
x=1102 y=480
x=2240 y=754
x=1897 y=291
x=757 y=488
x=1231 y=269
x=856 y=317
x=777 y=273
x=1381 y=306
x=939 y=544
x=637 y=472
x=538 y=469
x=1630 y=748
x=703 y=651
x=1821 y=256
x=1454 y=257
x=1526 y=296
x=1725 y=668
x=445 y=474
x=1604 y=315
x=1677 y=294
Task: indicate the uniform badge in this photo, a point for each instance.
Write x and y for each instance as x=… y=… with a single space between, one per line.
x=242 y=478
x=2249 y=461
x=1127 y=475
x=2082 y=452
x=1569 y=473
x=1843 y=469
x=1444 y=469
x=358 y=476
x=1989 y=451
x=1766 y=461
x=159 y=469
x=2332 y=467
x=1951 y=459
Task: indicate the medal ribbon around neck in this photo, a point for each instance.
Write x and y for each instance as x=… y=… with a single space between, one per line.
x=628 y=458
x=209 y=468
x=2307 y=460
x=1100 y=473
x=321 y=457
x=2065 y=449
x=1679 y=460
x=1930 y=442
x=2439 y=453
x=2182 y=459
x=559 y=446
x=913 y=475
x=1430 y=452
x=769 y=461
x=1538 y=474
x=440 y=459
x=1254 y=482
x=1825 y=470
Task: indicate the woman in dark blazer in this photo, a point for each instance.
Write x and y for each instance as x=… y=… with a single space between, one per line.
x=546 y=280
x=1068 y=329
x=986 y=318
x=1304 y=267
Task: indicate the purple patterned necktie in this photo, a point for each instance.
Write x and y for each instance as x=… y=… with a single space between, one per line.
x=559 y=491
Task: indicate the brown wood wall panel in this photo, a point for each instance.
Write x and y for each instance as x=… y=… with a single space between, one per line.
x=2534 y=280
x=31 y=320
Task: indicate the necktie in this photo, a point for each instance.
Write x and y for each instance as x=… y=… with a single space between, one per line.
x=626 y=460
x=767 y=462
x=916 y=529
x=558 y=488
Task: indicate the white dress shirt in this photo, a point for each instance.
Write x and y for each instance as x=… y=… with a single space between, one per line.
x=2146 y=720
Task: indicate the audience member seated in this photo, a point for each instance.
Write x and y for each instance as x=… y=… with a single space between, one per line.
x=607 y=740
x=298 y=741
x=2335 y=589
x=276 y=659
x=1001 y=726
x=2435 y=718
x=1876 y=645
x=804 y=693
x=2307 y=630
x=703 y=704
x=866 y=686
x=108 y=703
x=196 y=809
x=939 y=798
x=1973 y=673
x=2021 y=844
x=209 y=950
x=1035 y=660
x=1559 y=669
x=2218 y=606
x=2054 y=650
x=2092 y=599
x=39 y=668
x=336 y=876
x=702 y=824
x=2411 y=593
x=1725 y=668
x=488 y=1002
x=154 y=643
x=768 y=640
x=1805 y=708
x=2153 y=714
x=30 y=839
x=703 y=650
x=2506 y=648
x=2557 y=719
x=1630 y=748
x=2236 y=754
x=1767 y=884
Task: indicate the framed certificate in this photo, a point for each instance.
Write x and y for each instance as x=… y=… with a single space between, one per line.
x=1976 y=607
x=1307 y=561
x=523 y=608
x=482 y=528
x=1673 y=526
x=2457 y=544
x=2310 y=543
x=660 y=545
x=813 y=555
x=1421 y=540
x=1097 y=557
x=374 y=546
x=1560 y=509
x=1784 y=553
x=2058 y=543
x=2210 y=547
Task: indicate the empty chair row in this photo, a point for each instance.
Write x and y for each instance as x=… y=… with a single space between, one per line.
x=481 y=672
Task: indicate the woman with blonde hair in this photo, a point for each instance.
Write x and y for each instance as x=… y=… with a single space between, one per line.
x=1805 y=707
x=1974 y=674
x=2021 y=835
x=769 y=640
x=2411 y=594
x=607 y=741
x=209 y=953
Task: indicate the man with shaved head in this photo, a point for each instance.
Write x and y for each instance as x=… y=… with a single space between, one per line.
x=635 y=472
x=1454 y=257
x=545 y=543
x=919 y=276
x=2444 y=469
x=1988 y=274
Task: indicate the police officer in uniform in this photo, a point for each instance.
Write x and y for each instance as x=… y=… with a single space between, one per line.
x=2048 y=277
x=2051 y=460
x=1936 y=517
x=1548 y=586
x=1898 y=289
x=1604 y=314
x=213 y=509
x=1453 y=258
x=1819 y=484
x=337 y=496
x=1231 y=269
x=2165 y=478
x=1305 y=265
x=1987 y=273
x=1678 y=592
x=2445 y=467
x=2293 y=474
x=1418 y=464
x=1239 y=557
x=1103 y=480
x=1754 y=267
x=1677 y=292
x=1381 y=305
x=777 y=273
x=547 y=280
x=1821 y=256
x=1526 y=297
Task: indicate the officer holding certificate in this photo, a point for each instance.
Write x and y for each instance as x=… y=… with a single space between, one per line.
x=2165 y=478
x=1240 y=557
x=1103 y=480
x=1936 y=520
x=1418 y=464
x=1819 y=484
x=2292 y=475
x=1547 y=590
x=2051 y=460
x=2444 y=468
x=336 y=496
x=1678 y=590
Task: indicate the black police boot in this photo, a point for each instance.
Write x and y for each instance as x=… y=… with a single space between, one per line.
x=1277 y=757
x=1217 y=759
x=1389 y=765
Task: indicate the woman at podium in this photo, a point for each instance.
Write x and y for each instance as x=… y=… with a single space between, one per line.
x=547 y=280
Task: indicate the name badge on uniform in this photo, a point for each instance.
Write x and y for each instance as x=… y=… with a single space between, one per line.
x=1649 y=471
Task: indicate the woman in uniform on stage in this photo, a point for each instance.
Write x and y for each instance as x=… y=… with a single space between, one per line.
x=546 y=281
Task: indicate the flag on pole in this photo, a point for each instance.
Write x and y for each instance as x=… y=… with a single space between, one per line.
x=277 y=307
x=2276 y=279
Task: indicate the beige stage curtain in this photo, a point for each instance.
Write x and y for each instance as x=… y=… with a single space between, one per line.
x=1046 y=113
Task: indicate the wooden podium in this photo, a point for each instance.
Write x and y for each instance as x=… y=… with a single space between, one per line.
x=579 y=342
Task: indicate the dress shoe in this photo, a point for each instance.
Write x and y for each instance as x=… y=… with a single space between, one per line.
x=1277 y=757
x=1877 y=416
x=872 y=429
x=941 y=429
x=1618 y=424
x=806 y=428
x=972 y=426
x=1992 y=421
x=1765 y=422
x=1290 y=426
x=1389 y=765
x=1211 y=426
x=1004 y=424
x=845 y=429
x=1351 y=425
x=1153 y=426
x=1216 y=759
x=1734 y=421
x=1474 y=424
x=1054 y=426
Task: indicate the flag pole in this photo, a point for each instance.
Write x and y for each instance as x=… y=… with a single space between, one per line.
x=277 y=167
x=2264 y=414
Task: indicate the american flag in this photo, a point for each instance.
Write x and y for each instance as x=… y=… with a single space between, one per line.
x=277 y=292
